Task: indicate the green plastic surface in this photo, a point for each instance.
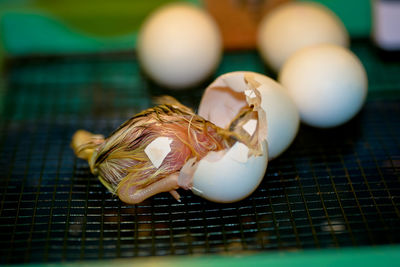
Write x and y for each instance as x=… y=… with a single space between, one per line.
x=43 y=34
x=355 y=14
x=351 y=257
x=58 y=27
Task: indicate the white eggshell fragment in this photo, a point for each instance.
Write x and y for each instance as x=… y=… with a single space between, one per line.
x=295 y=25
x=328 y=83
x=179 y=45
x=223 y=99
x=158 y=150
x=230 y=178
x=250 y=127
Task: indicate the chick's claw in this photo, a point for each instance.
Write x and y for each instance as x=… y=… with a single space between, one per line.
x=175 y=195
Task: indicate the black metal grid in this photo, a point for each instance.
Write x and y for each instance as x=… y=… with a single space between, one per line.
x=332 y=188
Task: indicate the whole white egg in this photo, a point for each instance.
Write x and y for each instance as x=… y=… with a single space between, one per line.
x=223 y=99
x=295 y=25
x=179 y=45
x=328 y=83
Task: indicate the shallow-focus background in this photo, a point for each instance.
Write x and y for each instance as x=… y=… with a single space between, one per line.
x=45 y=26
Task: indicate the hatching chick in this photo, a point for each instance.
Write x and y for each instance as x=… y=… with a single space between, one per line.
x=125 y=166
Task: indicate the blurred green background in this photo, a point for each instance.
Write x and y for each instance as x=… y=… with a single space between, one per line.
x=69 y=26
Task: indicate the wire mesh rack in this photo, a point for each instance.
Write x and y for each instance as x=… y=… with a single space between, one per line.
x=332 y=188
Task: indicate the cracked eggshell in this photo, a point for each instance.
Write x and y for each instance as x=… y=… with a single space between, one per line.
x=223 y=99
x=231 y=177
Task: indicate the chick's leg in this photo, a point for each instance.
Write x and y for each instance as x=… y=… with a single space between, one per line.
x=130 y=195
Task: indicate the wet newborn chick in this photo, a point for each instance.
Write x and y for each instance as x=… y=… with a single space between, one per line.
x=144 y=155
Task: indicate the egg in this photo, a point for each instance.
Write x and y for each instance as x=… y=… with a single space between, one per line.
x=179 y=45
x=295 y=25
x=223 y=99
x=328 y=83
x=232 y=176
x=233 y=173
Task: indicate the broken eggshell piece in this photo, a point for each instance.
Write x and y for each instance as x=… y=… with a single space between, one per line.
x=230 y=92
x=231 y=178
x=234 y=173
